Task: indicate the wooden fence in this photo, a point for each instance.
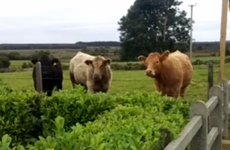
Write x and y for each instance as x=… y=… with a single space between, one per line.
x=208 y=122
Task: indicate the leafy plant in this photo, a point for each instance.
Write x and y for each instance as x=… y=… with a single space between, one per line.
x=132 y=120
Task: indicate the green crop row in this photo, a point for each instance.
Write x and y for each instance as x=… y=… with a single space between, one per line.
x=133 y=120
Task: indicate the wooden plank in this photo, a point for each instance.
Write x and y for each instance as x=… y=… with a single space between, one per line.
x=226 y=142
x=189 y=131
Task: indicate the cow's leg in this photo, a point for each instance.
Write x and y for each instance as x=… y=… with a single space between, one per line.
x=173 y=92
x=183 y=89
x=59 y=85
x=176 y=92
x=50 y=89
x=104 y=90
x=49 y=93
x=35 y=85
x=84 y=86
x=72 y=79
x=48 y=86
x=89 y=87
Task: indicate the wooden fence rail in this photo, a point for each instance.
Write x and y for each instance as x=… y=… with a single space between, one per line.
x=208 y=123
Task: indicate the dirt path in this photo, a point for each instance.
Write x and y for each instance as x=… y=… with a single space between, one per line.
x=226 y=144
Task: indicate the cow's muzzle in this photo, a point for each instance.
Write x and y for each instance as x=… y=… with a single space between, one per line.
x=150 y=73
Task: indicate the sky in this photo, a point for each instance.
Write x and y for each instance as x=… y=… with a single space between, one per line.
x=69 y=21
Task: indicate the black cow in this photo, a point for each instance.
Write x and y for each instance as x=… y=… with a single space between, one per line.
x=52 y=73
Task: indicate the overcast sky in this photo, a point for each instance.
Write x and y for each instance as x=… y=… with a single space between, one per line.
x=69 y=21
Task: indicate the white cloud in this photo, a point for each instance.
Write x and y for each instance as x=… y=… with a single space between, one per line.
x=45 y=21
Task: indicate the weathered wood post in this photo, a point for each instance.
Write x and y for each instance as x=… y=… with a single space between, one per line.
x=39 y=77
x=215 y=116
x=210 y=76
x=219 y=80
x=38 y=71
x=199 y=142
x=223 y=33
x=225 y=109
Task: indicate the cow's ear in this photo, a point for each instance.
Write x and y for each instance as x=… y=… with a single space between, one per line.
x=34 y=60
x=55 y=61
x=107 y=61
x=88 y=62
x=142 y=58
x=165 y=55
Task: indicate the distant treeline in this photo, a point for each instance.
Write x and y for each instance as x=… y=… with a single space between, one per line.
x=78 y=45
x=83 y=45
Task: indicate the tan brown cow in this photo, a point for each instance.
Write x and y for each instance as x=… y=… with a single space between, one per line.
x=92 y=72
x=172 y=72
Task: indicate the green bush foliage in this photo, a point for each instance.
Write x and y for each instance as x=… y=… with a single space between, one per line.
x=133 y=120
x=19 y=56
x=4 y=62
x=27 y=65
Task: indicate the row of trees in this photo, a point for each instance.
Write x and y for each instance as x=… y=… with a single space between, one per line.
x=18 y=56
x=77 y=45
x=6 y=57
x=153 y=25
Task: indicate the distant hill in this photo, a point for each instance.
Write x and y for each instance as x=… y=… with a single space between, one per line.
x=197 y=46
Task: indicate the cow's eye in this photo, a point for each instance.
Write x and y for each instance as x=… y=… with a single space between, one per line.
x=157 y=62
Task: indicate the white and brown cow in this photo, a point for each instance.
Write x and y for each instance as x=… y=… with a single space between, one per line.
x=92 y=72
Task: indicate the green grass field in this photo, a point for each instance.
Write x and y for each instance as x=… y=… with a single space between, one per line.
x=122 y=80
x=127 y=81
x=18 y=63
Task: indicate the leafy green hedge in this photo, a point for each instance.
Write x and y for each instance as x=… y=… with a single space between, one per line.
x=133 y=120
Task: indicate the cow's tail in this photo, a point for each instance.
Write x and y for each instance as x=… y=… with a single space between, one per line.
x=72 y=79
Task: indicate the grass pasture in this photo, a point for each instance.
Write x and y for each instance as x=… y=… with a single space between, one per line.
x=18 y=63
x=126 y=81
x=122 y=80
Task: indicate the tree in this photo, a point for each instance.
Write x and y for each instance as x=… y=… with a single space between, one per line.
x=38 y=54
x=4 y=62
x=153 y=25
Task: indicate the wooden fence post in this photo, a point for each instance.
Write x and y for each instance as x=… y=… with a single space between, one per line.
x=215 y=117
x=199 y=142
x=210 y=76
x=39 y=77
x=229 y=97
x=226 y=102
x=219 y=80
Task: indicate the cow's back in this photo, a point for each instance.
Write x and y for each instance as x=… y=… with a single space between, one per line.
x=58 y=70
x=78 y=67
x=186 y=65
x=171 y=71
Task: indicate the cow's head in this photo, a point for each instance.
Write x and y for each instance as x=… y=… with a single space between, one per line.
x=97 y=67
x=153 y=62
